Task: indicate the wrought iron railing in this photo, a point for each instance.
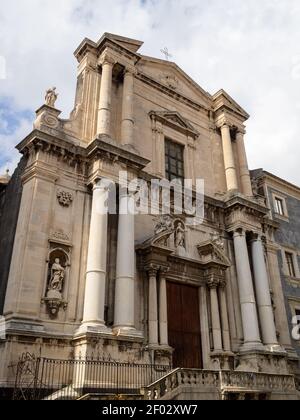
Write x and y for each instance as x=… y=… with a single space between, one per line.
x=71 y=379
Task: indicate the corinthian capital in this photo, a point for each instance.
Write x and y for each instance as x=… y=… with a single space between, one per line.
x=107 y=58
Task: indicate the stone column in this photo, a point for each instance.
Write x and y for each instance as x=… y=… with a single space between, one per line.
x=224 y=316
x=243 y=162
x=230 y=168
x=263 y=295
x=94 y=303
x=205 y=338
x=246 y=291
x=152 y=306
x=124 y=292
x=215 y=315
x=163 y=309
x=278 y=297
x=127 y=108
x=104 y=110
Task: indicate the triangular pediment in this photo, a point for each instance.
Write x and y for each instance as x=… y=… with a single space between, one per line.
x=173 y=77
x=223 y=100
x=175 y=120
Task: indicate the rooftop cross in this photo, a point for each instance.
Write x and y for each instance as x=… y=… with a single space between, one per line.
x=166 y=53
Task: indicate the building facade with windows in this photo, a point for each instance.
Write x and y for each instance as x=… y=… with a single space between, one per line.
x=150 y=289
x=283 y=200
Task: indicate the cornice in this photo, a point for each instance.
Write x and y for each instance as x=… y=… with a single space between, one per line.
x=170 y=92
x=105 y=147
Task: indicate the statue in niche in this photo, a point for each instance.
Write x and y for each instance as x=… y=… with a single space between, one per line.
x=57 y=276
x=55 y=286
x=51 y=97
x=180 y=239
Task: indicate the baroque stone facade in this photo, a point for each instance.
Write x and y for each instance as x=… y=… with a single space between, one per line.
x=139 y=288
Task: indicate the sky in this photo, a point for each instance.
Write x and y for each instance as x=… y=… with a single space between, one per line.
x=250 y=48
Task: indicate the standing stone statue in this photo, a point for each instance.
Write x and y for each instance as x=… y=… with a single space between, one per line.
x=57 y=276
x=51 y=97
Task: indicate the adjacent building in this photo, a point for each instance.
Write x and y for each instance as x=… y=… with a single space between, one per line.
x=151 y=292
x=283 y=200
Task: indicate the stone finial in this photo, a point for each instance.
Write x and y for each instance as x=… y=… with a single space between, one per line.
x=51 y=97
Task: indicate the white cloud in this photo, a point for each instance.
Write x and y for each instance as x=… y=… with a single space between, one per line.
x=250 y=48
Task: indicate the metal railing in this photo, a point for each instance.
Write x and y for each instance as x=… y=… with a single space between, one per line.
x=54 y=379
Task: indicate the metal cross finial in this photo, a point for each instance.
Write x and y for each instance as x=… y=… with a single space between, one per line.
x=166 y=53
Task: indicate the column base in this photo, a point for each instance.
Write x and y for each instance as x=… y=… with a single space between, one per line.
x=275 y=348
x=127 y=332
x=93 y=328
x=252 y=347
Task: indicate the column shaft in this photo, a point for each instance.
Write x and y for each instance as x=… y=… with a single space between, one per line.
x=243 y=162
x=215 y=317
x=263 y=295
x=152 y=307
x=230 y=168
x=205 y=339
x=246 y=292
x=127 y=109
x=224 y=318
x=163 y=310
x=94 y=303
x=124 y=292
x=104 y=111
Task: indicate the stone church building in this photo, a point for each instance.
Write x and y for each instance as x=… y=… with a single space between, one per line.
x=81 y=284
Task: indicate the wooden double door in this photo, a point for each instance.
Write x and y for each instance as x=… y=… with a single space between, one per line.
x=184 y=325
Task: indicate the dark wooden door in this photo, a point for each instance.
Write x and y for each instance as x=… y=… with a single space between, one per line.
x=184 y=325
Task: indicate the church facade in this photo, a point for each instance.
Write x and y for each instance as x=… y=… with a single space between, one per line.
x=151 y=288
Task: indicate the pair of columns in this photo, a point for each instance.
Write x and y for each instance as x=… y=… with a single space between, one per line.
x=105 y=98
x=219 y=315
x=157 y=306
x=254 y=305
x=94 y=304
x=230 y=161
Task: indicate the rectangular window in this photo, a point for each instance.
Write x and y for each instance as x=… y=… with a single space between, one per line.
x=174 y=154
x=279 y=206
x=290 y=264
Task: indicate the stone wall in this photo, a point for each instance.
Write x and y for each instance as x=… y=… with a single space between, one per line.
x=9 y=212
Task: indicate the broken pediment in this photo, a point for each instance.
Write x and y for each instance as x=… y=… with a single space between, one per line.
x=223 y=101
x=212 y=254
